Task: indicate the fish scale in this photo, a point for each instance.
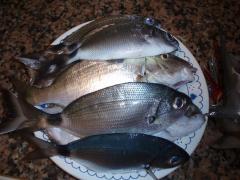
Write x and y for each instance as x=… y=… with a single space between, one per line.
x=120 y=34
x=72 y=38
x=89 y=76
x=120 y=108
x=106 y=41
x=116 y=152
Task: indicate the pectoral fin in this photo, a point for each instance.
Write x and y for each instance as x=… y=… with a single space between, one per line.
x=148 y=169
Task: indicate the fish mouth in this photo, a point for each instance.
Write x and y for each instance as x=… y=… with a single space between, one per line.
x=192 y=110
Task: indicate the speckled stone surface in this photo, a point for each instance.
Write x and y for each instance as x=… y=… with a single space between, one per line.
x=30 y=26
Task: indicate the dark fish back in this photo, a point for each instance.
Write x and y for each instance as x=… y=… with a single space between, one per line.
x=120 y=92
x=118 y=151
x=98 y=23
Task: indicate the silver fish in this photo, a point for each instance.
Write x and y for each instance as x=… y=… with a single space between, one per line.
x=182 y=127
x=89 y=76
x=117 y=37
x=106 y=39
x=130 y=107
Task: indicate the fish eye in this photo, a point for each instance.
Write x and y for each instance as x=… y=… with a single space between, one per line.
x=149 y=21
x=151 y=119
x=169 y=37
x=179 y=103
x=164 y=56
x=175 y=160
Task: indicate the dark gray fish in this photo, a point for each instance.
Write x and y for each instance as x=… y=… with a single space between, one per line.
x=130 y=107
x=110 y=38
x=114 y=152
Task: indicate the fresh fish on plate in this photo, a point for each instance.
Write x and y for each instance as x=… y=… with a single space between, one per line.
x=89 y=76
x=129 y=107
x=107 y=38
x=182 y=127
x=116 y=152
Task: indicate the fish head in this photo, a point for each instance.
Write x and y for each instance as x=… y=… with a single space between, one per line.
x=178 y=107
x=167 y=42
x=155 y=34
x=184 y=126
x=169 y=69
x=170 y=156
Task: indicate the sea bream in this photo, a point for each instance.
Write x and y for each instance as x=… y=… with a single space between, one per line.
x=129 y=107
x=115 y=152
x=110 y=38
x=89 y=76
x=182 y=127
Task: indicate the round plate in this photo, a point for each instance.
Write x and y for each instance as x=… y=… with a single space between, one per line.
x=197 y=90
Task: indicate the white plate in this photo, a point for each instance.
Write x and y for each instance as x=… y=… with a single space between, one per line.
x=197 y=90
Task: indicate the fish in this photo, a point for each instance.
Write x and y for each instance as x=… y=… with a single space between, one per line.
x=110 y=38
x=129 y=107
x=89 y=76
x=115 y=152
x=136 y=36
x=180 y=128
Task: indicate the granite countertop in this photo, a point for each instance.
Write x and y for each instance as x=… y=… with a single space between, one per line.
x=30 y=26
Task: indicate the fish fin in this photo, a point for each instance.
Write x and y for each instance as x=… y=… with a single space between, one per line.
x=63 y=48
x=47 y=149
x=35 y=155
x=50 y=70
x=56 y=49
x=23 y=89
x=22 y=115
x=152 y=113
x=227 y=142
x=148 y=169
x=44 y=68
x=32 y=61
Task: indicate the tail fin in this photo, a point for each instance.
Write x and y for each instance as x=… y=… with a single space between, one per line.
x=47 y=149
x=22 y=115
x=43 y=71
x=24 y=90
x=32 y=61
x=64 y=48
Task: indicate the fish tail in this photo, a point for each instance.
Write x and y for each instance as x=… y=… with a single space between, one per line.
x=22 y=115
x=47 y=149
x=64 y=48
x=25 y=91
x=32 y=61
x=44 y=69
